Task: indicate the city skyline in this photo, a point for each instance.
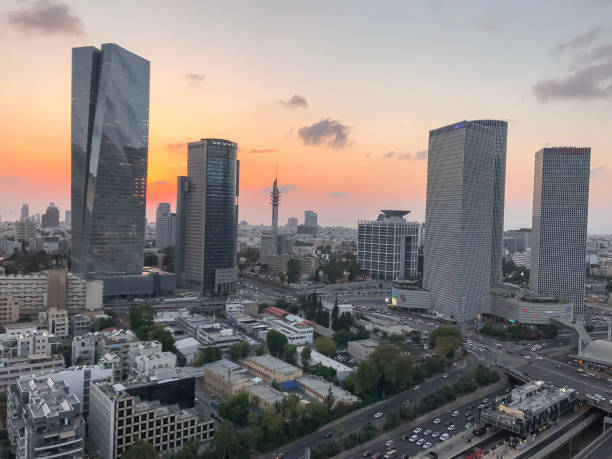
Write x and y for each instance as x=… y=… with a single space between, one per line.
x=301 y=103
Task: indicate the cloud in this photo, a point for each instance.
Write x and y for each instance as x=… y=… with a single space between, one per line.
x=296 y=101
x=179 y=147
x=339 y=194
x=389 y=154
x=421 y=154
x=393 y=154
x=332 y=132
x=46 y=16
x=589 y=76
x=597 y=172
x=195 y=77
x=261 y=151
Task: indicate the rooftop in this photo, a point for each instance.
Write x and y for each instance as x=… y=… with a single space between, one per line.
x=273 y=364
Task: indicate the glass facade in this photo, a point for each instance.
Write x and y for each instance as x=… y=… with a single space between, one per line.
x=110 y=132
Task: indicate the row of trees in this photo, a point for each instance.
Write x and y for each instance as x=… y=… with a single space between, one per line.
x=338 y=264
x=141 y=319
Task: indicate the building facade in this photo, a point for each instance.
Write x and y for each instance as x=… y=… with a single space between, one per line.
x=559 y=230
x=464 y=215
x=163 y=220
x=388 y=247
x=110 y=137
x=9 y=310
x=207 y=218
x=50 y=218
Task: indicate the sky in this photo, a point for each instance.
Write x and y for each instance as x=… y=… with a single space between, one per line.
x=338 y=97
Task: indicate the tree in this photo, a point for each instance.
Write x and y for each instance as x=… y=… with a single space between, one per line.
x=141 y=449
x=305 y=355
x=236 y=409
x=207 y=355
x=140 y=315
x=102 y=323
x=325 y=346
x=235 y=351
x=276 y=342
x=188 y=451
x=335 y=312
x=226 y=442
x=322 y=318
x=345 y=321
x=289 y=351
x=261 y=350
x=509 y=267
x=150 y=259
x=293 y=270
x=158 y=333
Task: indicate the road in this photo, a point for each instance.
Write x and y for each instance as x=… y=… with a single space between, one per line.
x=355 y=421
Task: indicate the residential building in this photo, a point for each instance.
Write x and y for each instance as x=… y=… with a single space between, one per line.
x=20 y=328
x=311 y=219
x=207 y=216
x=272 y=369
x=25 y=230
x=321 y=390
x=9 y=310
x=559 y=229
x=50 y=218
x=112 y=361
x=388 y=247
x=12 y=368
x=30 y=342
x=464 y=215
x=162 y=225
x=109 y=138
x=118 y=419
x=296 y=331
x=25 y=212
x=360 y=350
x=58 y=322
x=147 y=365
x=188 y=348
x=85 y=349
x=120 y=343
x=292 y=225
x=44 y=420
x=79 y=325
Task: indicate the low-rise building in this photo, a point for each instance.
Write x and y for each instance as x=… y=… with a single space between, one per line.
x=13 y=368
x=112 y=361
x=361 y=349
x=316 y=358
x=217 y=336
x=118 y=342
x=79 y=325
x=31 y=342
x=44 y=420
x=85 y=349
x=224 y=380
x=295 y=331
x=146 y=365
x=118 y=419
x=188 y=348
x=321 y=390
x=264 y=396
x=409 y=295
x=342 y=308
x=272 y=369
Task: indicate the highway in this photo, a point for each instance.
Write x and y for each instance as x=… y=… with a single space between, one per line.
x=356 y=420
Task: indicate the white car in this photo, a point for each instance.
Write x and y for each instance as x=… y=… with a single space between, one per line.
x=451 y=427
x=413 y=438
x=436 y=421
x=455 y=414
x=378 y=415
x=389 y=443
x=427 y=433
x=443 y=437
x=437 y=434
x=417 y=430
x=426 y=445
x=420 y=441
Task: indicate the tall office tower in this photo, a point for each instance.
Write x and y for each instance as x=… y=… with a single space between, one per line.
x=560 y=211
x=462 y=215
x=207 y=218
x=292 y=225
x=25 y=212
x=50 y=218
x=68 y=218
x=172 y=238
x=110 y=142
x=310 y=219
x=388 y=247
x=162 y=225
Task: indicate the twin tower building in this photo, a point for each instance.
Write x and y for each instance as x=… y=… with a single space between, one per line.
x=110 y=136
x=465 y=218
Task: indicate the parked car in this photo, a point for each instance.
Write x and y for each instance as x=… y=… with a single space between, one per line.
x=420 y=441
x=378 y=415
x=435 y=434
x=436 y=421
x=417 y=430
x=426 y=445
x=444 y=436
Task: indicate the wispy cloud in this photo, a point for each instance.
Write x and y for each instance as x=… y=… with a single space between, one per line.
x=46 y=16
x=195 y=77
x=597 y=172
x=261 y=151
x=332 y=132
x=422 y=154
x=397 y=155
x=295 y=101
x=339 y=194
x=179 y=147
x=589 y=76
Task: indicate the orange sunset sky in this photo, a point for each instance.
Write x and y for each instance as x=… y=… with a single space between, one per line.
x=340 y=95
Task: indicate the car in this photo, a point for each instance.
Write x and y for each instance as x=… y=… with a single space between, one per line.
x=417 y=430
x=468 y=425
x=435 y=434
x=486 y=400
x=481 y=407
x=451 y=427
x=420 y=441
x=378 y=415
x=427 y=433
x=329 y=434
x=444 y=436
x=366 y=453
x=413 y=438
x=557 y=366
x=445 y=375
x=455 y=414
x=390 y=453
x=538 y=357
x=417 y=387
x=436 y=421
x=467 y=413
x=426 y=445
x=389 y=443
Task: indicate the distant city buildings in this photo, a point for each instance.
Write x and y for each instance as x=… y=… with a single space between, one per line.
x=387 y=248
x=310 y=219
x=50 y=218
x=292 y=225
x=163 y=230
x=464 y=215
x=207 y=216
x=110 y=130
x=560 y=211
x=25 y=212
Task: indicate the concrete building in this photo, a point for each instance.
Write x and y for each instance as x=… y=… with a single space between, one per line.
x=225 y=381
x=163 y=221
x=44 y=420
x=296 y=332
x=120 y=343
x=207 y=216
x=292 y=225
x=388 y=247
x=263 y=396
x=25 y=230
x=147 y=365
x=311 y=219
x=272 y=369
x=464 y=215
x=316 y=358
x=118 y=419
x=342 y=308
x=9 y=310
x=109 y=178
x=320 y=390
x=188 y=348
x=50 y=218
x=58 y=322
x=12 y=368
x=361 y=350
x=85 y=349
x=559 y=229
x=25 y=212
x=217 y=336
x=79 y=325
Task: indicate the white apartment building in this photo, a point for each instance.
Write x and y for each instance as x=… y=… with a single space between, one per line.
x=361 y=350
x=84 y=349
x=58 y=322
x=146 y=365
x=296 y=332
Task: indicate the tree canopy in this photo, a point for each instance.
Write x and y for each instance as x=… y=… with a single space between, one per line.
x=276 y=342
x=141 y=449
x=325 y=346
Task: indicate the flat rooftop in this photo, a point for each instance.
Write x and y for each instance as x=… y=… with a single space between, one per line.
x=273 y=364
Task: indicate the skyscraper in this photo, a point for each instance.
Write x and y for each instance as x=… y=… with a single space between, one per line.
x=310 y=219
x=25 y=212
x=464 y=215
x=50 y=218
x=207 y=218
x=559 y=230
x=110 y=136
x=292 y=225
x=162 y=225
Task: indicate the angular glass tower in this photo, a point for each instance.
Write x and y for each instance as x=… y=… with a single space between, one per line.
x=110 y=137
x=207 y=218
x=464 y=215
x=560 y=211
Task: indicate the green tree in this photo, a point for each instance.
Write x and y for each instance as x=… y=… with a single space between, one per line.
x=102 y=323
x=207 y=355
x=236 y=409
x=158 y=333
x=235 y=351
x=245 y=348
x=289 y=351
x=141 y=449
x=150 y=259
x=334 y=317
x=293 y=270
x=261 y=350
x=140 y=315
x=276 y=342
x=188 y=451
x=325 y=346
x=305 y=355
x=226 y=442
x=322 y=317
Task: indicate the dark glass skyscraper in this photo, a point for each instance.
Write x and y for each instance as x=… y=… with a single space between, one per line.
x=110 y=136
x=207 y=218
